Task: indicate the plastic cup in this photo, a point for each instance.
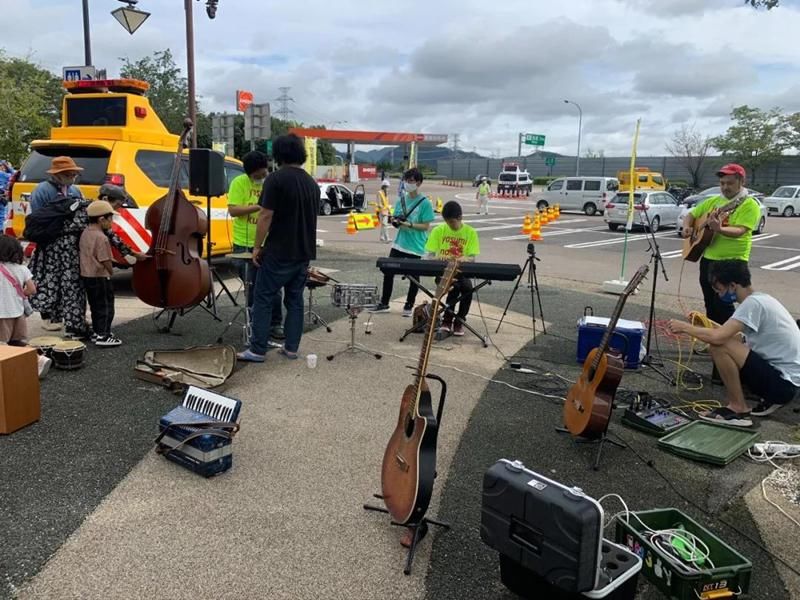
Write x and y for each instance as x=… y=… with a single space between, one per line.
x=311 y=359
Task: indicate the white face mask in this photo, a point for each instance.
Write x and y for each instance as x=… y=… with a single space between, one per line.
x=410 y=187
x=259 y=181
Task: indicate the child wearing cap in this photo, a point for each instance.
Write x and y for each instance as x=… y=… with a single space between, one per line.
x=116 y=197
x=96 y=271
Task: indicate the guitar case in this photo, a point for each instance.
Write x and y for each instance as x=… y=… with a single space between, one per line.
x=544 y=527
x=203 y=366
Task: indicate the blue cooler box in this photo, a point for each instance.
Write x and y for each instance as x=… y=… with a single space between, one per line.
x=627 y=338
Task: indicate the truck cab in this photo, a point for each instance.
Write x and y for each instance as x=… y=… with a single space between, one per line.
x=643 y=179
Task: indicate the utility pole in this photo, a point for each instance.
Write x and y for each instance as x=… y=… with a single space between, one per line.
x=519 y=146
x=87 y=38
x=190 y=68
x=456 y=138
x=284 y=111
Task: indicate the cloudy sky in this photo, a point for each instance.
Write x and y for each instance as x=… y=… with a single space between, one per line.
x=484 y=70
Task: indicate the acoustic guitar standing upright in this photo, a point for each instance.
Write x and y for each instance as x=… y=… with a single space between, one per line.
x=701 y=236
x=409 y=462
x=587 y=409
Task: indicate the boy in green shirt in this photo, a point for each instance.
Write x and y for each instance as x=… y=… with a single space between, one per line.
x=243 y=195
x=454 y=239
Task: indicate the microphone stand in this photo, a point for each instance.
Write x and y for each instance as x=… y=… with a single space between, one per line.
x=656 y=260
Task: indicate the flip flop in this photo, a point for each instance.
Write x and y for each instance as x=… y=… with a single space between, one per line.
x=408 y=538
x=287 y=354
x=252 y=357
x=725 y=416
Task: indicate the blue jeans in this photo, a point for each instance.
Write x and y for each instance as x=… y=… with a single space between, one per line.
x=246 y=267
x=273 y=276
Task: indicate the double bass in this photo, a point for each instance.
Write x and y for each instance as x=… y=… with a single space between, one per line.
x=175 y=276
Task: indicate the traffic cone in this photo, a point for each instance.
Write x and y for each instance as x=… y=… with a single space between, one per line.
x=439 y=204
x=350 y=229
x=526 y=225
x=558 y=211
x=536 y=230
x=542 y=214
x=551 y=214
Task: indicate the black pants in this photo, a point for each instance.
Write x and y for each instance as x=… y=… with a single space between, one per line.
x=716 y=310
x=100 y=294
x=388 y=282
x=462 y=285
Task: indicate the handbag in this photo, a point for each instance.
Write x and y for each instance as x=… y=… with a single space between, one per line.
x=27 y=309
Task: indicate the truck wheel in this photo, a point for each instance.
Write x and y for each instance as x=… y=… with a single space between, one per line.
x=590 y=208
x=613 y=226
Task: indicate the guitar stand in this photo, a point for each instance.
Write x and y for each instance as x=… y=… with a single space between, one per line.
x=447 y=311
x=417 y=526
x=601 y=441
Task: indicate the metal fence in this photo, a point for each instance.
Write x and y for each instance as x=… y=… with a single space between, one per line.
x=785 y=171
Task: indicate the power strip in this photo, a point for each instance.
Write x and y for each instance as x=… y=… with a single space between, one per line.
x=771 y=448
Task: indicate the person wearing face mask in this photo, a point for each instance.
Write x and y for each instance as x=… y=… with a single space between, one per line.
x=768 y=363
x=412 y=216
x=243 y=195
x=63 y=173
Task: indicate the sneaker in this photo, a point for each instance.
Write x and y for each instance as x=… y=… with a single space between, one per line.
x=82 y=336
x=458 y=329
x=44 y=366
x=446 y=327
x=381 y=308
x=765 y=408
x=725 y=416
x=408 y=310
x=277 y=333
x=107 y=341
x=93 y=338
x=52 y=326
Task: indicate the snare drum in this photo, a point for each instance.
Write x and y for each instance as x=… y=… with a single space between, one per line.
x=345 y=295
x=316 y=278
x=44 y=344
x=68 y=355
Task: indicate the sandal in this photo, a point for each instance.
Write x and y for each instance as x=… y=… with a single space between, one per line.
x=408 y=537
x=248 y=356
x=287 y=354
x=725 y=416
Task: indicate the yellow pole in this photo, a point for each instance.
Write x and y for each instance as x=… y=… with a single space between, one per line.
x=629 y=223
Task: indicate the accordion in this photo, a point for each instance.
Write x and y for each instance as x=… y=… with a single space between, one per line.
x=198 y=434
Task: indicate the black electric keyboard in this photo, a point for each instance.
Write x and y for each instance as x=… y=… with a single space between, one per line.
x=435 y=268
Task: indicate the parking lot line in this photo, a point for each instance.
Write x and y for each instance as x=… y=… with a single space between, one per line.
x=621 y=240
x=787 y=264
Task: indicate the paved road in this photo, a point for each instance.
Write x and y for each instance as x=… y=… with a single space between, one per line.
x=582 y=248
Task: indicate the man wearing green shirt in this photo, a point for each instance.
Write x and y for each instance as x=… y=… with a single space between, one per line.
x=454 y=239
x=243 y=195
x=733 y=234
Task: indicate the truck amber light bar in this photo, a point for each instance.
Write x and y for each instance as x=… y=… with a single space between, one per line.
x=103 y=84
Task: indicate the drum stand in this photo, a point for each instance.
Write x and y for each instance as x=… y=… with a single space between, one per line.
x=311 y=315
x=353 y=346
x=247 y=328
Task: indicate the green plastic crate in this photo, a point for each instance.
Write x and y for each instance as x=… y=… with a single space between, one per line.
x=730 y=577
x=709 y=442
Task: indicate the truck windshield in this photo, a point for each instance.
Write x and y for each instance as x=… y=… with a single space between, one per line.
x=96 y=112
x=93 y=160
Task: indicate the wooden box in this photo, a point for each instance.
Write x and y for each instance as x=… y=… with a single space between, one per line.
x=19 y=388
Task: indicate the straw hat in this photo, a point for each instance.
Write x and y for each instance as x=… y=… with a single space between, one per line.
x=61 y=164
x=99 y=208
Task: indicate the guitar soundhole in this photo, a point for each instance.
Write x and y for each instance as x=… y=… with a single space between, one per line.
x=409 y=426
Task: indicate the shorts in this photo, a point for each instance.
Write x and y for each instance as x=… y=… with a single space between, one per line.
x=764 y=380
x=13 y=329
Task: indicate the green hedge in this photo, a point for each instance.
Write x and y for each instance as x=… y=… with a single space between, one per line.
x=543 y=180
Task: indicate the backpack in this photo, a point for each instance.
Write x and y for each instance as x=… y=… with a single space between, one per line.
x=43 y=226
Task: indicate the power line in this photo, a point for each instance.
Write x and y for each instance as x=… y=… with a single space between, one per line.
x=284 y=112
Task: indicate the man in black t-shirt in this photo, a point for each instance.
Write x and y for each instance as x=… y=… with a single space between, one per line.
x=285 y=243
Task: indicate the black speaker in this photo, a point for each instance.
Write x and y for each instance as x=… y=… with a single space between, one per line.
x=206 y=172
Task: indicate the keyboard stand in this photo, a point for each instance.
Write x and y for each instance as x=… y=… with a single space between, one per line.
x=455 y=317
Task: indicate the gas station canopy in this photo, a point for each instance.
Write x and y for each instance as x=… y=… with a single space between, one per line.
x=374 y=138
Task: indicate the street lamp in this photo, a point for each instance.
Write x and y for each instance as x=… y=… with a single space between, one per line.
x=129 y=17
x=580 y=123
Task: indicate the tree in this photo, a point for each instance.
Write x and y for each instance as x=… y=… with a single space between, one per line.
x=756 y=137
x=691 y=148
x=30 y=102
x=168 y=88
x=592 y=153
x=768 y=4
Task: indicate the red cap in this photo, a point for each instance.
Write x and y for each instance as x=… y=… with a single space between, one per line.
x=731 y=169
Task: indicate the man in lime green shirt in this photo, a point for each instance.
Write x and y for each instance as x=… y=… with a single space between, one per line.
x=243 y=194
x=454 y=239
x=733 y=234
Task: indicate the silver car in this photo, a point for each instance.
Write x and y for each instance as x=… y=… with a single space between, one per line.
x=661 y=208
x=784 y=201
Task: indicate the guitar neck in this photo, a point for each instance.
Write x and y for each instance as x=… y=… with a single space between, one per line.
x=425 y=351
x=612 y=323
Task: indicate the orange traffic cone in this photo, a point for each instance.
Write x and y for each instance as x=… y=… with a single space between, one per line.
x=536 y=231
x=551 y=214
x=526 y=225
x=543 y=216
x=558 y=211
x=350 y=229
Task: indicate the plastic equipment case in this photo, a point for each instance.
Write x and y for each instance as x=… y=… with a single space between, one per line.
x=627 y=338
x=730 y=577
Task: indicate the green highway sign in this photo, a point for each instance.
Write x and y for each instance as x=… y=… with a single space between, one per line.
x=268 y=147
x=534 y=139
x=550 y=161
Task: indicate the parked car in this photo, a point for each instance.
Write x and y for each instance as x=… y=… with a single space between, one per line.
x=689 y=204
x=784 y=201
x=587 y=194
x=477 y=181
x=335 y=197
x=661 y=208
x=516 y=182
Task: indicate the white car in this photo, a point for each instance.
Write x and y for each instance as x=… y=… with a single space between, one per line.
x=652 y=210
x=784 y=201
x=335 y=197
x=762 y=222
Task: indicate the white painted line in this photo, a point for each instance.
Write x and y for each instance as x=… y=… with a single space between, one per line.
x=509 y=238
x=322 y=231
x=495 y=227
x=764 y=236
x=786 y=264
x=672 y=253
x=621 y=240
x=549 y=233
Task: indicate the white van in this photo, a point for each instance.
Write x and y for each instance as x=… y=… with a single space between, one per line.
x=587 y=194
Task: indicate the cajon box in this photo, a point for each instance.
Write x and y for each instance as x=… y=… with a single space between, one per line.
x=19 y=388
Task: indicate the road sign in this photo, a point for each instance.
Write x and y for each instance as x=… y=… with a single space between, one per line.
x=534 y=139
x=79 y=73
x=268 y=147
x=222 y=127
x=257 y=124
x=243 y=100
x=550 y=161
